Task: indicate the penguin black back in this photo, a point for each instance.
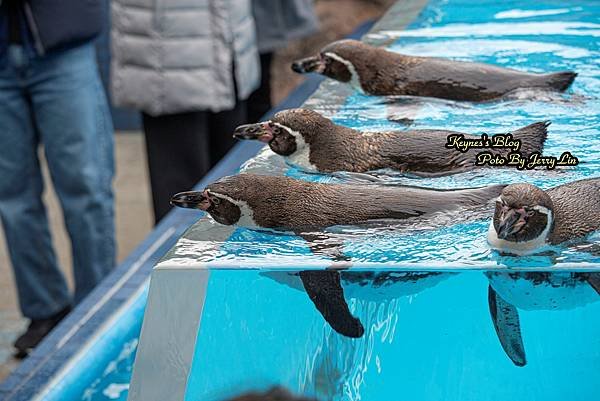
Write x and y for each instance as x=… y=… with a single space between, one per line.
x=294 y=205
x=377 y=71
x=576 y=209
x=313 y=142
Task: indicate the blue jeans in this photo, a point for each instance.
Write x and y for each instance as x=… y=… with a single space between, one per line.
x=56 y=101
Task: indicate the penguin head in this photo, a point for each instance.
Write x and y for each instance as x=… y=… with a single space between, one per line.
x=523 y=215
x=336 y=60
x=288 y=132
x=226 y=200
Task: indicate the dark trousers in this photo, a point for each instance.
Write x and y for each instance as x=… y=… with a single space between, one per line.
x=183 y=147
x=259 y=101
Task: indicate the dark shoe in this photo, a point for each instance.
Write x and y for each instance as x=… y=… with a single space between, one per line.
x=37 y=330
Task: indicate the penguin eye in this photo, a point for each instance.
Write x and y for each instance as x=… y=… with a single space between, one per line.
x=529 y=212
x=276 y=130
x=502 y=204
x=216 y=201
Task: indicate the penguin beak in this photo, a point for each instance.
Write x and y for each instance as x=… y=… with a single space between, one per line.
x=511 y=222
x=259 y=131
x=309 y=64
x=192 y=200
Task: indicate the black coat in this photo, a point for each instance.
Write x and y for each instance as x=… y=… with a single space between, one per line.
x=56 y=24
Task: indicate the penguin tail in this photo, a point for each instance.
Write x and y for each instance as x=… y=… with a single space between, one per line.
x=325 y=290
x=532 y=137
x=560 y=81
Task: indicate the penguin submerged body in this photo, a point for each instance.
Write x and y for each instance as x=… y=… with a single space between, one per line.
x=314 y=143
x=544 y=290
x=527 y=219
x=373 y=285
x=289 y=205
x=376 y=71
x=534 y=291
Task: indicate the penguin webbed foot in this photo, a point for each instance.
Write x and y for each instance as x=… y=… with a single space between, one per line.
x=325 y=290
x=324 y=287
x=322 y=244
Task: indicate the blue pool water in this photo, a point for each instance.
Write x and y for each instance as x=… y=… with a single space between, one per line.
x=427 y=339
x=528 y=35
x=436 y=344
x=433 y=338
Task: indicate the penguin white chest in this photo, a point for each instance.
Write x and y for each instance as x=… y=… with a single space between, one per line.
x=519 y=248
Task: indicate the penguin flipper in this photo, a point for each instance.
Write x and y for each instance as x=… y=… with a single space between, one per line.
x=508 y=327
x=594 y=280
x=324 y=289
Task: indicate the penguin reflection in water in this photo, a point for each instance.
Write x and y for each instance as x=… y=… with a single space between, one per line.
x=314 y=143
x=306 y=209
x=273 y=394
x=526 y=220
x=379 y=72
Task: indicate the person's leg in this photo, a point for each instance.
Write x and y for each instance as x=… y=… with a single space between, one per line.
x=259 y=101
x=177 y=147
x=41 y=287
x=221 y=126
x=71 y=113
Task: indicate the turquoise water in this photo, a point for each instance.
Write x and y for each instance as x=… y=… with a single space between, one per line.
x=527 y=35
x=432 y=338
x=436 y=344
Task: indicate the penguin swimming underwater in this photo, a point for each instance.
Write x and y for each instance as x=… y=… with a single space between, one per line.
x=288 y=205
x=273 y=394
x=379 y=72
x=315 y=143
x=526 y=219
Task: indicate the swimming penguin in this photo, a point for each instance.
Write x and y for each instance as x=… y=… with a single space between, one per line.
x=376 y=71
x=527 y=219
x=288 y=205
x=314 y=143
